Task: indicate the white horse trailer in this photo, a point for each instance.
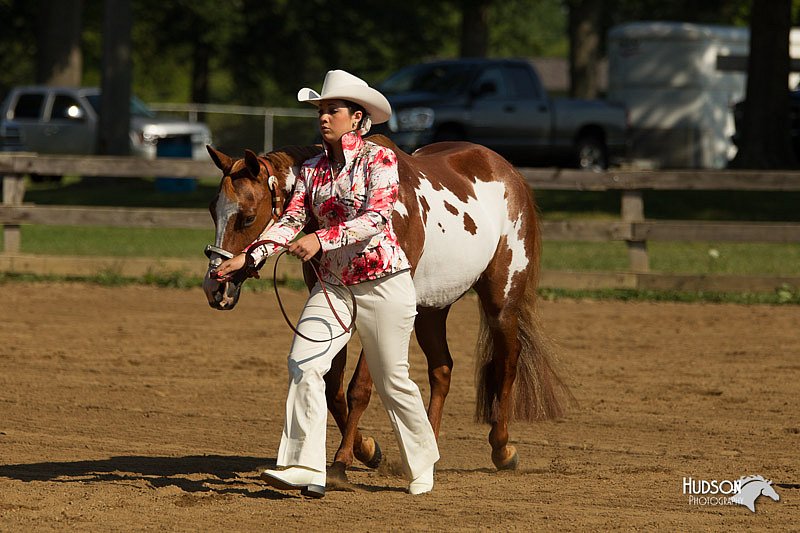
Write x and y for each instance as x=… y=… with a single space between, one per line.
x=679 y=82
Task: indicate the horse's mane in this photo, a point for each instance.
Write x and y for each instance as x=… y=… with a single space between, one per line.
x=382 y=140
x=290 y=156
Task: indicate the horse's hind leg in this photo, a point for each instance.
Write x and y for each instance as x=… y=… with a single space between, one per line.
x=431 y=330
x=359 y=393
x=501 y=339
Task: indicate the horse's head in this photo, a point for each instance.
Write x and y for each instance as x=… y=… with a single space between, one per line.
x=241 y=210
x=251 y=196
x=769 y=491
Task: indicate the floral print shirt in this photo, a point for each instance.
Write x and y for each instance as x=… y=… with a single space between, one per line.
x=353 y=210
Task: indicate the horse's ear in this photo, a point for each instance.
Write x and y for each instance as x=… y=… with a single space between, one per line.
x=223 y=162
x=253 y=165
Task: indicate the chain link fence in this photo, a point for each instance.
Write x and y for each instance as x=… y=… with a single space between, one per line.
x=262 y=129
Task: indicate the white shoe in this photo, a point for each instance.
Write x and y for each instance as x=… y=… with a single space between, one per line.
x=422 y=483
x=308 y=481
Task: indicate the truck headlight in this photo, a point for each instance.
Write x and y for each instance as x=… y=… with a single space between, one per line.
x=412 y=119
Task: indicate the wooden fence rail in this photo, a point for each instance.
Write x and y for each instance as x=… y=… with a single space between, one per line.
x=632 y=227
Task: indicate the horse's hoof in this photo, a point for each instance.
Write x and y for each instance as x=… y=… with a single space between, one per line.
x=506 y=461
x=377 y=457
x=337 y=478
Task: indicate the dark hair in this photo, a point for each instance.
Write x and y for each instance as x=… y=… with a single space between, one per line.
x=353 y=107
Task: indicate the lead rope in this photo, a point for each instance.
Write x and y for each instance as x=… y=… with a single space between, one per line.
x=346 y=329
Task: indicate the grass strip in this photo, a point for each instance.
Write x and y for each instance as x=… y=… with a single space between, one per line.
x=673 y=257
x=784 y=295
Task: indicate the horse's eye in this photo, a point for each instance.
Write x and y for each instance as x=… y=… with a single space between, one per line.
x=248 y=221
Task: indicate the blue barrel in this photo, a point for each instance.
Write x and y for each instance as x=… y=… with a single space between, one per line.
x=175 y=147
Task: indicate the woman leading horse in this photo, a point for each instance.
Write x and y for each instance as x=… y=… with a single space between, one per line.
x=465 y=219
x=350 y=190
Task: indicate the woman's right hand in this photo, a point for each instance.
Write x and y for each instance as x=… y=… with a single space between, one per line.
x=229 y=266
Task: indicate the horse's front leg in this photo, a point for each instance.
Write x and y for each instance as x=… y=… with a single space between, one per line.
x=353 y=445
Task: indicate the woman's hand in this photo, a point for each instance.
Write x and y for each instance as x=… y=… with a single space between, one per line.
x=229 y=266
x=305 y=247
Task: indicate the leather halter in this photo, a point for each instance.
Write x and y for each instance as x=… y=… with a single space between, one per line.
x=274 y=190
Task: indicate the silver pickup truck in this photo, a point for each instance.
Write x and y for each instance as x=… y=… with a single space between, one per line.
x=63 y=120
x=501 y=104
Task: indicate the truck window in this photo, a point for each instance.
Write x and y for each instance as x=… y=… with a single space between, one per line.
x=138 y=108
x=29 y=106
x=523 y=84
x=436 y=79
x=66 y=107
x=490 y=84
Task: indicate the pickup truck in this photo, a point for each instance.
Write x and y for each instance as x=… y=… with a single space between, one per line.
x=501 y=104
x=64 y=120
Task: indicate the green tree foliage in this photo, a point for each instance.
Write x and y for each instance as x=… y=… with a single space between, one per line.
x=528 y=28
x=259 y=52
x=17 y=43
x=180 y=43
x=288 y=44
x=726 y=12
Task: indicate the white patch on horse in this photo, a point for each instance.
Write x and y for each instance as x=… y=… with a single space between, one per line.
x=516 y=244
x=226 y=208
x=401 y=209
x=445 y=272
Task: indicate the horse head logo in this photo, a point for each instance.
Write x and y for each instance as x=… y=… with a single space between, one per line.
x=750 y=488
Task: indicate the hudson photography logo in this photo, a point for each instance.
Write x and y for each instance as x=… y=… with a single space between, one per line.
x=743 y=491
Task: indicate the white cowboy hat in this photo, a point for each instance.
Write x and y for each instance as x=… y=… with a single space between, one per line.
x=342 y=85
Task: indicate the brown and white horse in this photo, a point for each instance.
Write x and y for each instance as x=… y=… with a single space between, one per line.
x=466 y=220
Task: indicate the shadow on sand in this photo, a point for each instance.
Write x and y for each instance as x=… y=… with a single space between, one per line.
x=216 y=474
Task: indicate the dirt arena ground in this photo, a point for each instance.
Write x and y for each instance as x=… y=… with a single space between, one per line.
x=141 y=408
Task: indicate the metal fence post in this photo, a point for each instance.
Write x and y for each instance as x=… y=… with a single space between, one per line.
x=633 y=211
x=13 y=192
x=269 y=131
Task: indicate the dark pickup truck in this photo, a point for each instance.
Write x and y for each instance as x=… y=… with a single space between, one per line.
x=501 y=104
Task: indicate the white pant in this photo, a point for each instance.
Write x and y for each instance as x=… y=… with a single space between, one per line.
x=385 y=318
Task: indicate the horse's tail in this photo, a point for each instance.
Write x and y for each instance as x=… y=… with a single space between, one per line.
x=539 y=393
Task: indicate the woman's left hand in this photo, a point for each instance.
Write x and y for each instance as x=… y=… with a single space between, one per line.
x=305 y=247
x=229 y=266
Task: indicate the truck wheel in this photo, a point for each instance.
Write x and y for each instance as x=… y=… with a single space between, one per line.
x=591 y=154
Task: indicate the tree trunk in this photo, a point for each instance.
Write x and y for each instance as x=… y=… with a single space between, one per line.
x=59 y=60
x=584 y=47
x=114 y=127
x=474 y=28
x=201 y=58
x=766 y=142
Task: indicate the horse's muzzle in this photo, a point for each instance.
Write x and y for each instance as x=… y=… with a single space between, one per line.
x=221 y=294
